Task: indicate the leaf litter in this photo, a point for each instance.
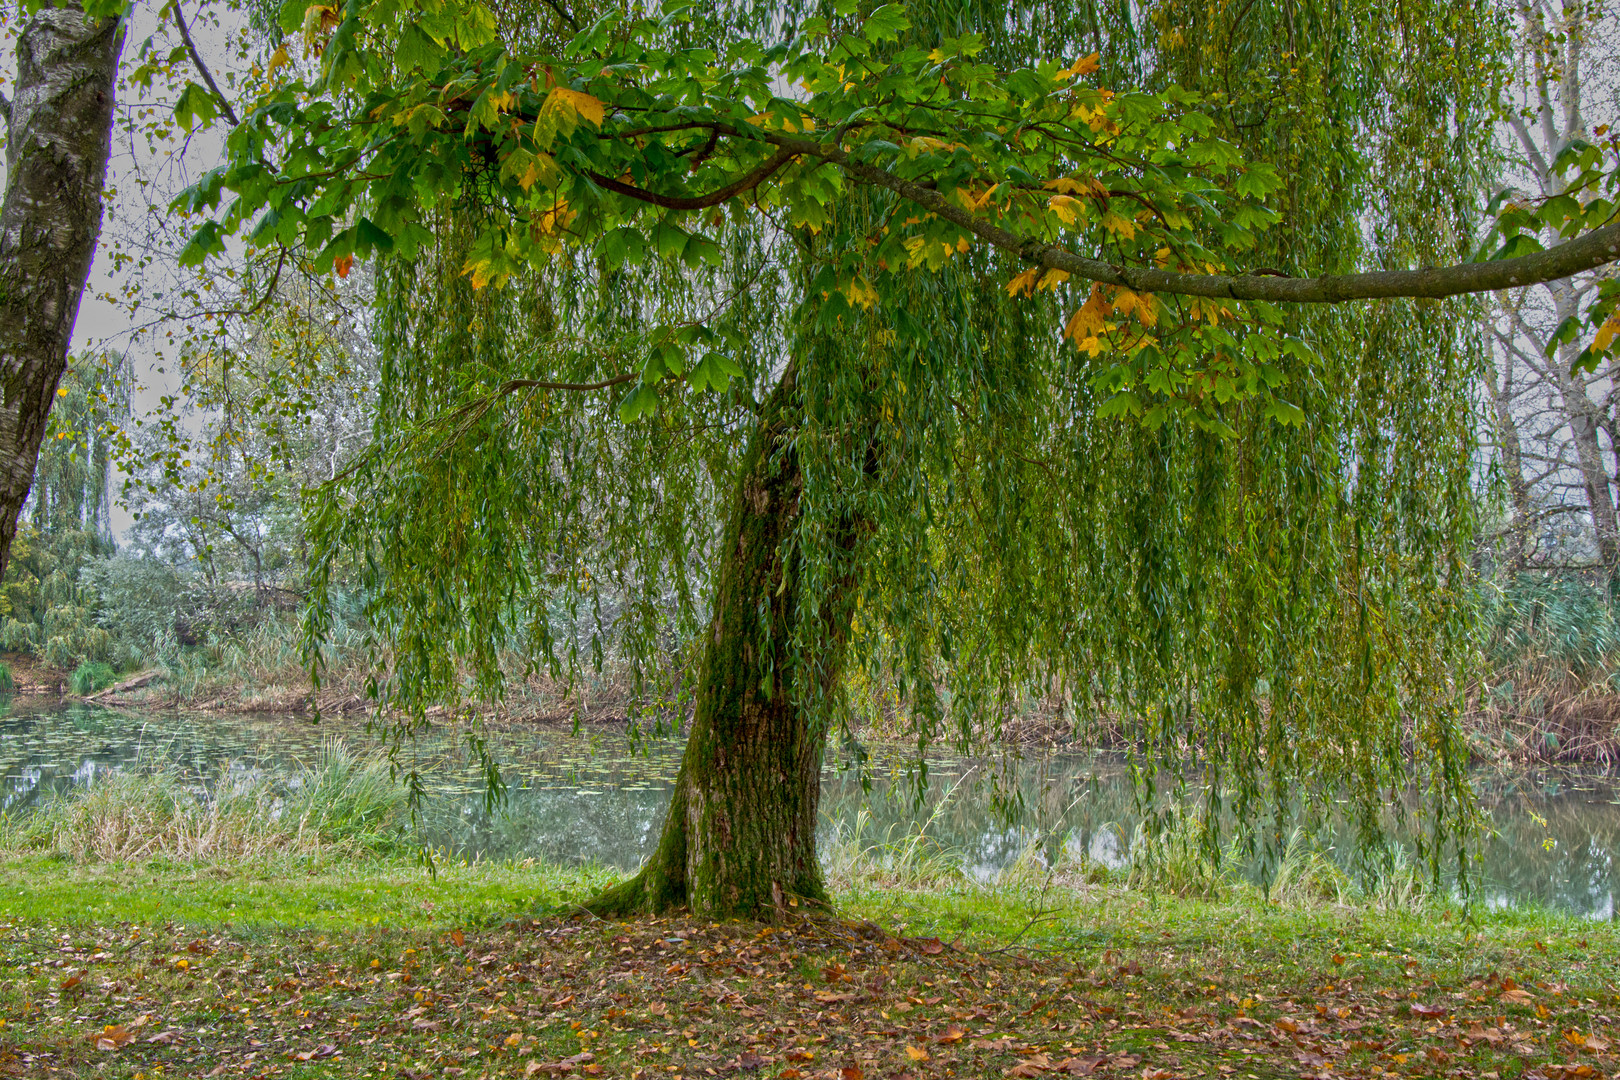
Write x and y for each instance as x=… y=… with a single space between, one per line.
x=814 y=999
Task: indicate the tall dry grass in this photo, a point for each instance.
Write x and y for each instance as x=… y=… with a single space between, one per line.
x=342 y=806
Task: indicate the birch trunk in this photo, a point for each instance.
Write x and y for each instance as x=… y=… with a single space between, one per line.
x=60 y=136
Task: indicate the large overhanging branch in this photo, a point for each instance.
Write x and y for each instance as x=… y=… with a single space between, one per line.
x=1598 y=247
x=701 y=202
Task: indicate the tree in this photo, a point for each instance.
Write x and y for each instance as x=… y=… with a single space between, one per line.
x=1552 y=415
x=828 y=280
x=46 y=607
x=60 y=136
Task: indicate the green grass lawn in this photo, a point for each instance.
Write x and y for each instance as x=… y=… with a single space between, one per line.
x=371 y=967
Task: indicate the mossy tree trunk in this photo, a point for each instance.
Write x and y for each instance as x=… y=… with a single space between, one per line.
x=740 y=835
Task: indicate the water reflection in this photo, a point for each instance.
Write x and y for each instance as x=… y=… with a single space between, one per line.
x=594 y=798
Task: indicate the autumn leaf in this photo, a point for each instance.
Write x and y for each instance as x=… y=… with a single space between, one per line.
x=916 y=1053
x=1025 y=282
x=584 y=105
x=951 y=1034
x=1067 y=208
x=1119 y=225
x=110 y=1037
x=1083 y=66
x=1033 y=1065
x=343 y=264
x=1606 y=333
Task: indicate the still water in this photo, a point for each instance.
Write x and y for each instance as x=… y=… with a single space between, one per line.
x=594 y=797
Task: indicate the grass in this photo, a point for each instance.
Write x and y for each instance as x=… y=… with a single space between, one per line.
x=378 y=968
x=341 y=807
x=302 y=941
x=89 y=677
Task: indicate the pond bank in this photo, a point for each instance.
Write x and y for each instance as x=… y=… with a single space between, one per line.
x=376 y=968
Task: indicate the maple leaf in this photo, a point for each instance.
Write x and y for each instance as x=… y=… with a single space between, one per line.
x=916 y=1053
x=1083 y=66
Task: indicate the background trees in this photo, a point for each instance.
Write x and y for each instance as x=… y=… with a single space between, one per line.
x=1553 y=423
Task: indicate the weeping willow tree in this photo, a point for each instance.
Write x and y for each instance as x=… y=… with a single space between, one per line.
x=769 y=331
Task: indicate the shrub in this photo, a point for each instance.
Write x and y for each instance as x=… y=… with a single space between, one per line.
x=89 y=677
x=6 y=681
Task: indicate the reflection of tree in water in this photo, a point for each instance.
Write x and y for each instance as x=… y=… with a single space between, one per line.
x=610 y=826
x=1568 y=857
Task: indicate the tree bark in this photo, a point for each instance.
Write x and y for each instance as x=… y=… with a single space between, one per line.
x=59 y=141
x=740 y=835
x=1500 y=385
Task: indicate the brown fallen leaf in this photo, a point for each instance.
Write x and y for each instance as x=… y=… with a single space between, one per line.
x=790 y=1074
x=1076 y=1066
x=799 y=1053
x=110 y=1037
x=1421 y=1009
x=1033 y=1065
x=1522 y=997
x=951 y=1034
x=827 y=997
x=325 y=1050
x=562 y=1001
x=71 y=981
x=1156 y=1074
x=461 y=939
x=750 y=1061
x=851 y=1072
x=165 y=1038
x=932 y=946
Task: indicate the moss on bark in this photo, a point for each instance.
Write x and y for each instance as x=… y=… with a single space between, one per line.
x=740 y=835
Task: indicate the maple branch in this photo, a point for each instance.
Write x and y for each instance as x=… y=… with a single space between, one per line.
x=702 y=202
x=202 y=69
x=1599 y=247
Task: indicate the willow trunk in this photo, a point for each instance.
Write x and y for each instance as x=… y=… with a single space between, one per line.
x=739 y=838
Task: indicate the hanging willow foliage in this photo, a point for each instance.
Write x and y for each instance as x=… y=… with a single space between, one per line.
x=1268 y=593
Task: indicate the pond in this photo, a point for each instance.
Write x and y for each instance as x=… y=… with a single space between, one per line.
x=595 y=797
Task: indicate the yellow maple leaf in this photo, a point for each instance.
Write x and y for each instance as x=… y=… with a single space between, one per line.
x=581 y=104
x=279 y=58
x=916 y=1053
x=1145 y=305
x=1119 y=225
x=1052 y=279
x=1065 y=185
x=859 y=291
x=1025 y=282
x=1083 y=66
x=1606 y=333
x=1090 y=319
x=1068 y=208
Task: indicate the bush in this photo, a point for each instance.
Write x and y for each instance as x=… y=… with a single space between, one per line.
x=6 y=681
x=88 y=678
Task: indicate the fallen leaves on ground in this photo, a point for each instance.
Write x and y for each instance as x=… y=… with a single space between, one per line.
x=818 y=999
